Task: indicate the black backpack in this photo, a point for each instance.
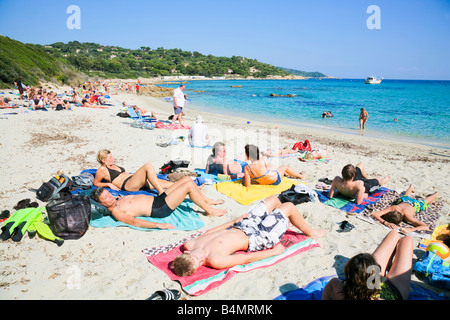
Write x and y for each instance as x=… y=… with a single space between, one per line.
x=290 y=195
x=173 y=165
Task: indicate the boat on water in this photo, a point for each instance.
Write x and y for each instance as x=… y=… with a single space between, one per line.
x=373 y=80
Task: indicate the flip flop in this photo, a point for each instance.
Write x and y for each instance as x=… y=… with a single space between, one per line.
x=323 y=186
x=326 y=180
x=165 y=294
x=345 y=226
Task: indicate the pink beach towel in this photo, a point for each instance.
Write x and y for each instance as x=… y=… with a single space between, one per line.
x=162 y=125
x=205 y=278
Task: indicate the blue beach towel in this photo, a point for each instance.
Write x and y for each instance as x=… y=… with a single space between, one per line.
x=347 y=204
x=314 y=289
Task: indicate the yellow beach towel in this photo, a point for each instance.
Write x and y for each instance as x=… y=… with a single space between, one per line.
x=245 y=196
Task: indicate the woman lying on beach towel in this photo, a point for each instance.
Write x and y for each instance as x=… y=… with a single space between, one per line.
x=260 y=169
x=112 y=176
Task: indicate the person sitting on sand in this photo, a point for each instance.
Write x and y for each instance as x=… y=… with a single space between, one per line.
x=355 y=183
x=112 y=176
x=404 y=210
x=218 y=163
x=261 y=170
x=363 y=270
x=127 y=209
x=260 y=228
x=198 y=133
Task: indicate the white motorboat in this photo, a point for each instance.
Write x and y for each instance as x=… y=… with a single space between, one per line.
x=373 y=80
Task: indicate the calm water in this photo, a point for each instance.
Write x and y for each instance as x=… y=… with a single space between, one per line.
x=421 y=107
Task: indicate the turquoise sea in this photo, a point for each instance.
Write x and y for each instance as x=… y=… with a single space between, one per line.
x=421 y=107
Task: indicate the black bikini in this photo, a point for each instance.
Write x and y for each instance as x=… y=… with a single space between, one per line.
x=115 y=173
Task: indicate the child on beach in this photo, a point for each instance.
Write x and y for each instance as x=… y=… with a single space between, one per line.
x=404 y=210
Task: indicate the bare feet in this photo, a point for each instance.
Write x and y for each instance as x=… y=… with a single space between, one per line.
x=214 y=202
x=217 y=212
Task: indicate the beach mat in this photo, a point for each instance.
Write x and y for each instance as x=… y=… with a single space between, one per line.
x=205 y=278
x=314 y=290
x=346 y=204
x=245 y=196
x=429 y=216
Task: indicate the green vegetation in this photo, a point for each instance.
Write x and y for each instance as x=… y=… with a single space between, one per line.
x=32 y=63
x=117 y=62
x=303 y=73
x=71 y=63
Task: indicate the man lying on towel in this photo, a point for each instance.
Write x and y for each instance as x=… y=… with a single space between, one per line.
x=404 y=210
x=259 y=229
x=355 y=183
x=126 y=209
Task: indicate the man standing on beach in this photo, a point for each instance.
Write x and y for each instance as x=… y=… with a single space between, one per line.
x=178 y=103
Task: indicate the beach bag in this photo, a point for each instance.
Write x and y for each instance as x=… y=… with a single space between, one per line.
x=84 y=181
x=290 y=195
x=302 y=146
x=173 y=165
x=435 y=270
x=69 y=215
x=52 y=189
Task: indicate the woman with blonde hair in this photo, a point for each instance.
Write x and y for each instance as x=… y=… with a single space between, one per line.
x=112 y=176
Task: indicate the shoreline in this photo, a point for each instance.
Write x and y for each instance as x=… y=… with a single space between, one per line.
x=108 y=263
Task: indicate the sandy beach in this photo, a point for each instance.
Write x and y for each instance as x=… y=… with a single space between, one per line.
x=108 y=263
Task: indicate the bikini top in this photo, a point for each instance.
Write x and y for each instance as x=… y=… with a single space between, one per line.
x=261 y=176
x=115 y=173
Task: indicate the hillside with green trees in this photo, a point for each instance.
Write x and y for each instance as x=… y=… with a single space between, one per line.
x=117 y=62
x=304 y=73
x=32 y=63
x=73 y=62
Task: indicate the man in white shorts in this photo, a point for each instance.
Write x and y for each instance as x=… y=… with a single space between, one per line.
x=259 y=229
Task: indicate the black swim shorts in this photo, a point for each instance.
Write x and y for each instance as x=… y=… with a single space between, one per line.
x=160 y=209
x=370 y=185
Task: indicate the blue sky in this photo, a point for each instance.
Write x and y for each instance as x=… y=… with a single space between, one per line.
x=330 y=36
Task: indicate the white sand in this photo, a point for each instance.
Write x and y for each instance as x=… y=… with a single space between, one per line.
x=107 y=263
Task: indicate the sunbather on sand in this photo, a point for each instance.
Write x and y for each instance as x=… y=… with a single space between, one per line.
x=261 y=170
x=259 y=229
x=362 y=271
x=355 y=183
x=270 y=153
x=112 y=176
x=404 y=210
x=218 y=163
x=127 y=209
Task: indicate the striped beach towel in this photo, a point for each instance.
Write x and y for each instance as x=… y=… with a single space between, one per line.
x=205 y=278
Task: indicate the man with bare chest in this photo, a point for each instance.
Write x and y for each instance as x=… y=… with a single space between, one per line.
x=127 y=209
x=258 y=232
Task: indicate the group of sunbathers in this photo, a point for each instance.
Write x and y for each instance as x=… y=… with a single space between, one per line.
x=260 y=229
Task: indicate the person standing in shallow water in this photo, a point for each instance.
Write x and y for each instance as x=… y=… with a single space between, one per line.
x=363 y=116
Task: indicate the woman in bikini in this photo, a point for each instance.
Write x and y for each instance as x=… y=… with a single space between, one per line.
x=375 y=276
x=363 y=116
x=112 y=176
x=260 y=169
